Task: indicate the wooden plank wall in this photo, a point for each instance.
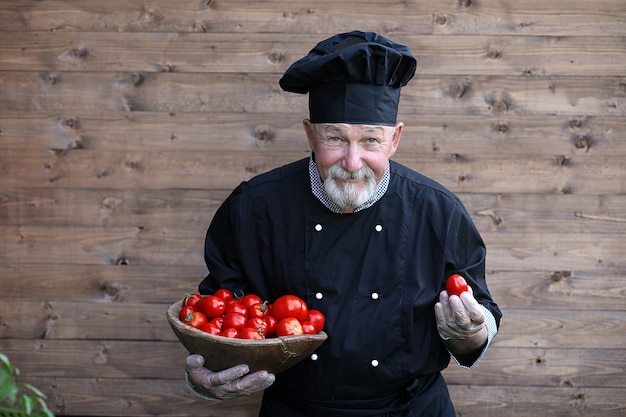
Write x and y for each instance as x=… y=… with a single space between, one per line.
x=125 y=123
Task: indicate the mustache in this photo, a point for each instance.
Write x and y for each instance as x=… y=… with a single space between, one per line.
x=336 y=172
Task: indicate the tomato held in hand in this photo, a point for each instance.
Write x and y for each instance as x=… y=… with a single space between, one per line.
x=456 y=285
x=289 y=326
x=290 y=306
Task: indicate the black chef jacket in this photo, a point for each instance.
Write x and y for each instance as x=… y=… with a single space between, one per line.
x=376 y=274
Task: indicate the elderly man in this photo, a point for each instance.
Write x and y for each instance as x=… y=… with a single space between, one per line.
x=361 y=238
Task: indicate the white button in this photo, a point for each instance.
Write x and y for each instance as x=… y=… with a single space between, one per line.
x=319 y=296
x=374 y=296
x=374 y=363
x=314 y=357
x=378 y=228
x=318 y=227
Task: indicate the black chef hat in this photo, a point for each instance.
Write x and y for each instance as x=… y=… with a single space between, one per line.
x=352 y=77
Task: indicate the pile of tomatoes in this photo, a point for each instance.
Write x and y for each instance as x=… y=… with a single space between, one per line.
x=250 y=317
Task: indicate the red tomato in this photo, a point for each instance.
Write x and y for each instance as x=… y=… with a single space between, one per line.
x=289 y=326
x=257 y=323
x=230 y=332
x=195 y=319
x=271 y=326
x=456 y=285
x=218 y=321
x=191 y=299
x=211 y=306
x=184 y=312
x=258 y=310
x=234 y=320
x=308 y=327
x=250 y=299
x=290 y=306
x=317 y=318
x=236 y=307
x=210 y=328
x=250 y=333
x=224 y=294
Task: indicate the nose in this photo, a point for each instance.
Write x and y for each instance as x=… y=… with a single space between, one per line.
x=352 y=161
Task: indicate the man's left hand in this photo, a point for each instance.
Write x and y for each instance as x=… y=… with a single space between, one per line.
x=461 y=321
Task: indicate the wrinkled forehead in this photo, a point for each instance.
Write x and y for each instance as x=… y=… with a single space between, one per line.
x=349 y=128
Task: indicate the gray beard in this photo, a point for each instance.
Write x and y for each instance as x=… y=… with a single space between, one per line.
x=349 y=196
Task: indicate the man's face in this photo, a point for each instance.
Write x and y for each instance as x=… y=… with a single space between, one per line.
x=351 y=159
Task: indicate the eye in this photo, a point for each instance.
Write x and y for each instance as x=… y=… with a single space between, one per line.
x=334 y=141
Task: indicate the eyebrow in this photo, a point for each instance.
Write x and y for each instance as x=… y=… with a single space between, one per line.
x=340 y=130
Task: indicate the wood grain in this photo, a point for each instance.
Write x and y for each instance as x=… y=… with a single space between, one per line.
x=322 y=18
x=174 y=93
x=125 y=124
x=273 y=53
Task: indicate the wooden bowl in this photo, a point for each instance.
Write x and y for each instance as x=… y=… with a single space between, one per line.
x=274 y=354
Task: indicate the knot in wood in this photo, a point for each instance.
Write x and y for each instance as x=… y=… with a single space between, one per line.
x=499 y=105
x=582 y=142
x=264 y=134
x=465 y=3
x=50 y=78
x=204 y=4
x=78 y=53
x=134 y=78
x=561 y=160
x=575 y=123
x=441 y=19
x=167 y=68
x=150 y=16
x=457 y=90
x=111 y=289
x=502 y=128
x=70 y=123
x=499 y=102
x=493 y=53
x=134 y=165
x=200 y=27
x=275 y=57
x=122 y=261
x=556 y=277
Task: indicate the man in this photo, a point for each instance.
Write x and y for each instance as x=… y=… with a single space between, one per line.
x=361 y=238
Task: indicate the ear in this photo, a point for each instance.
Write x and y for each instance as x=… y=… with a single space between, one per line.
x=395 y=140
x=308 y=129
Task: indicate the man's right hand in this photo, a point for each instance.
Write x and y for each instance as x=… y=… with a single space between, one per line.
x=227 y=384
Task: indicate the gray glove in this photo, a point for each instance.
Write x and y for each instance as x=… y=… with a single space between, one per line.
x=224 y=385
x=459 y=318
